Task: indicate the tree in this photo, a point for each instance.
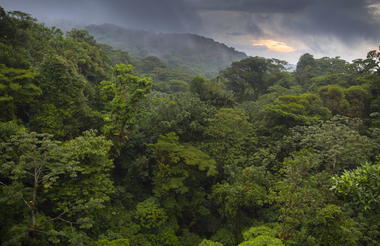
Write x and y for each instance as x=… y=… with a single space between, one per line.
x=334 y=99
x=241 y=197
x=230 y=139
x=80 y=48
x=306 y=69
x=337 y=142
x=175 y=163
x=311 y=72
x=91 y=182
x=116 y=242
x=180 y=174
x=18 y=89
x=352 y=101
x=63 y=108
x=150 y=63
x=359 y=190
x=371 y=64
x=58 y=184
x=292 y=110
x=172 y=86
x=211 y=92
x=332 y=226
x=307 y=216
x=182 y=113
x=334 y=65
x=121 y=97
x=358 y=99
x=360 y=186
x=206 y=242
x=150 y=215
x=31 y=161
x=251 y=77
x=260 y=236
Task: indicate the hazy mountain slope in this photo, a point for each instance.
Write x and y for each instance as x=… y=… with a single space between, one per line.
x=189 y=52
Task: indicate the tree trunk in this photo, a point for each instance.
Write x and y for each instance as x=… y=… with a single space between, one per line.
x=34 y=200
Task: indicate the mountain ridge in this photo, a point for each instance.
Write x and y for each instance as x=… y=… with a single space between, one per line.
x=193 y=52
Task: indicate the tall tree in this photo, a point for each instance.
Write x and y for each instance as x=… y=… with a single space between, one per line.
x=121 y=97
x=54 y=185
x=251 y=77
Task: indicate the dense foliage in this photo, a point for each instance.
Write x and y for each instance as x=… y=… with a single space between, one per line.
x=100 y=148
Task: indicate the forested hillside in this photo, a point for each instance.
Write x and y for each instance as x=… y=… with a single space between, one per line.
x=191 y=53
x=98 y=147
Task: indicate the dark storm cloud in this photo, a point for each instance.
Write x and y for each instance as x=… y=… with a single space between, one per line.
x=253 y=6
x=347 y=20
x=158 y=15
x=163 y=15
x=325 y=27
x=235 y=33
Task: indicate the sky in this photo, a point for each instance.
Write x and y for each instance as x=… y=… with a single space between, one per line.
x=282 y=29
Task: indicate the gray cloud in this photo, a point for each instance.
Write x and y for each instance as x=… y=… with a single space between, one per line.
x=235 y=33
x=346 y=28
x=156 y=15
x=162 y=15
x=347 y=20
x=253 y=6
x=317 y=26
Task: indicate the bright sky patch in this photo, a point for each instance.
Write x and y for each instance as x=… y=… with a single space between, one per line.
x=274 y=45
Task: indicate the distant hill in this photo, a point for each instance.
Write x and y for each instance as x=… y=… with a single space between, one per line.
x=188 y=52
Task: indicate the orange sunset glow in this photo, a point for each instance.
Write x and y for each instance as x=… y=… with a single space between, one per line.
x=274 y=45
